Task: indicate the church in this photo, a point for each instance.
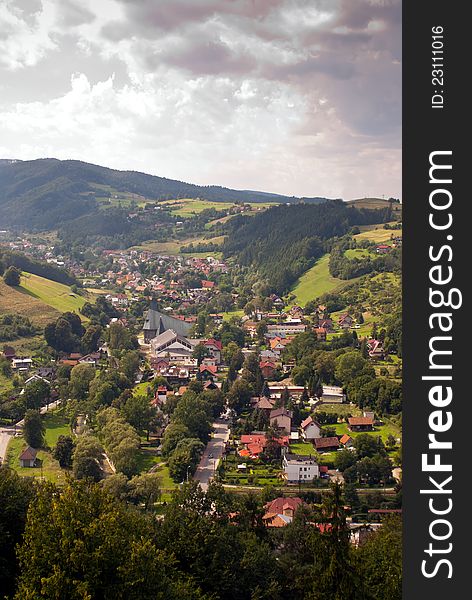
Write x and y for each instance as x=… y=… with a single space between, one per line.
x=156 y=323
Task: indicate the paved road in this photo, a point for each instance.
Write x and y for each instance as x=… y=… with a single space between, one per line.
x=215 y=447
x=7 y=432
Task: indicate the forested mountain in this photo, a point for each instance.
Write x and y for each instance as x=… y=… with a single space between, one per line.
x=39 y=194
x=284 y=241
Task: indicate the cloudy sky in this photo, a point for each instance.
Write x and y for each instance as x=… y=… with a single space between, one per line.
x=301 y=97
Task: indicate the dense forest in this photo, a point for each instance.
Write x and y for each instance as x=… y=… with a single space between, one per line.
x=285 y=241
x=38 y=194
x=94 y=541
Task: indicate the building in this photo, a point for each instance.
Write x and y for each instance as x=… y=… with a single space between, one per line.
x=311 y=429
x=28 y=457
x=282 y=418
x=333 y=395
x=360 y=423
x=21 y=364
x=156 y=323
x=299 y=468
x=172 y=346
x=326 y=444
x=280 y=512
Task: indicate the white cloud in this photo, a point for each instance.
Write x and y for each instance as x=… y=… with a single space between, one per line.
x=293 y=96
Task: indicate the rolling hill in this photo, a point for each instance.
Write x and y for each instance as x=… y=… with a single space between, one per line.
x=39 y=194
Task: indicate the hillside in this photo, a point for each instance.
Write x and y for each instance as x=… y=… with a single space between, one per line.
x=285 y=241
x=19 y=301
x=39 y=194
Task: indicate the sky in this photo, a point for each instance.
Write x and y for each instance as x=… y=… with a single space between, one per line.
x=298 y=97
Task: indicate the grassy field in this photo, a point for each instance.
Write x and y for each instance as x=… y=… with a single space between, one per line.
x=18 y=300
x=316 y=282
x=383 y=431
x=188 y=207
x=53 y=294
x=357 y=253
x=56 y=424
x=49 y=468
x=377 y=233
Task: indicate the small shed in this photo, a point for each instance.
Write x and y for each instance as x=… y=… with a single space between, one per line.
x=28 y=457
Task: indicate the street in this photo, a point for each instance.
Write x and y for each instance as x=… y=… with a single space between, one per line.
x=215 y=447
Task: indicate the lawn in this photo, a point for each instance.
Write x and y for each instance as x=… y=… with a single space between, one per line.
x=383 y=431
x=233 y=313
x=54 y=294
x=303 y=448
x=49 y=469
x=316 y=282
x=56 y=424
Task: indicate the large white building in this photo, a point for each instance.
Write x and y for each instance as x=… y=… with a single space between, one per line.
x=300 y=468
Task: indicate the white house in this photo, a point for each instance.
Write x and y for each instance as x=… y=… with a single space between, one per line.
x=310 y=429
x=300 y=468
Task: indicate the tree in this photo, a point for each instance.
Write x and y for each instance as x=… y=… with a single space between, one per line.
x=200 y=352
x=185 y=458
x=120 y=338
x=139 y=413
x=91 y=338
x=64 y=450
x=16 y=494
x=344 y=459
x=86 y=459
x=145 y=489
x=129 y=364
x=379 y=560
x=252 y=372
x=368 y=445
x=12 y=277
x=80 y=379
x=351 y=365
x=33 y=429
x=174 y=433
x=239 y=395
x=84 y=542
x=36 y=394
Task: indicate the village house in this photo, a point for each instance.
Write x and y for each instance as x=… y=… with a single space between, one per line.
x=347 y=441
x=326 y=444
x=268 y=369
x=214 y=349
x=311 y=429
x=281 y=418
x=28 y=458
x=299 y=468
x=361 y=423
x=255 y=443
x=375 y=349
x=280 y=512
x=21 y=364
x=321 y=333
x=345 y=321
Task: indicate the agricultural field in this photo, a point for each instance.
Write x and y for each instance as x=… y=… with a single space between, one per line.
x=188 y=207
x=21 y=301
x=316 y=282
x=377 y=234
x=55 y=295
